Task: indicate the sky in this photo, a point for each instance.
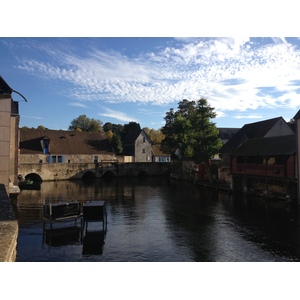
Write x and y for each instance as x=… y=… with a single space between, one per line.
x=138 y=79
x=135 y=63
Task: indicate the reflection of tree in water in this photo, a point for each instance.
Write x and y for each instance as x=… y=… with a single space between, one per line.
x=189 y=216
x=269 y=223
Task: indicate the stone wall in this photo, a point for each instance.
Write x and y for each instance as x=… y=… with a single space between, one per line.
x=5 y=123
x=8 y=228
x=69 y=171
x=72 y=159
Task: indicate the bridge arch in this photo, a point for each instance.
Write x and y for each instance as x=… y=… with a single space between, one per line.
x=108 y=174
x=89 y=176
x=34 y=177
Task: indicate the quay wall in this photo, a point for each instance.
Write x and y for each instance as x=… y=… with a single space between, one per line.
x=8 y=228
x=269 y=187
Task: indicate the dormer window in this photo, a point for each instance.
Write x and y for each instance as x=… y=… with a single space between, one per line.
x=46 y=145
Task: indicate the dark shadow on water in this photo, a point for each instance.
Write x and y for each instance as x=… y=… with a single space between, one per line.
x=93 y=243
x=62 y=236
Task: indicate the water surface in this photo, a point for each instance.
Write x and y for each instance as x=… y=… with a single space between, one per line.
x=157 y=220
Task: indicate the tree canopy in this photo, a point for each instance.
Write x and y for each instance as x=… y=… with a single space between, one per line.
x=189 y=132
x=156 y=136
x=85 y=124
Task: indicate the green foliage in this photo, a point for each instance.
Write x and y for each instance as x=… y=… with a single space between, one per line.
x=115 y=128
x=116 y=143
x=116 y=133
x=107 y=127
x=86 y=124
x=156 y=136
x=189 y=132
x=130 y=127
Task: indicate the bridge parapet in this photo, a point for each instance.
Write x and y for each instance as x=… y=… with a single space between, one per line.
x=68 y=171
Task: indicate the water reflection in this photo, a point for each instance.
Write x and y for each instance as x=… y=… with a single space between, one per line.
x=55 y=237
x=93 y=243
x=159 y=220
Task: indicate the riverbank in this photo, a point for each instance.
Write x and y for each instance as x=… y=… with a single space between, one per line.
x=8 y=228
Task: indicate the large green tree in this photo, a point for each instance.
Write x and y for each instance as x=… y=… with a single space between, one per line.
x=189 y=132
x=86 y=124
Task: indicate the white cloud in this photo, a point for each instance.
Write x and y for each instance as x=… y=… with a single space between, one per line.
x=230 y=72
x=248 y=117
x=119 y=115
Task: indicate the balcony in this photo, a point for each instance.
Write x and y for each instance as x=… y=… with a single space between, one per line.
x=276 y=170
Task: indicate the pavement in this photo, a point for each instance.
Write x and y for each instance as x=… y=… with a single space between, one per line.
x=8 y=228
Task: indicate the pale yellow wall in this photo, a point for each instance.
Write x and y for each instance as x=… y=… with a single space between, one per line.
x=140 y=144
x=5 y=123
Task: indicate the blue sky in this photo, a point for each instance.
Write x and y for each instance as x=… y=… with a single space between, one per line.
x=119 y=80
x=116 y=61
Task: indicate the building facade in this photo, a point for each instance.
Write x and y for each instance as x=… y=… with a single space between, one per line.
x=9 y=137
x=261 y=158
x=61 y=154
x=137 y=147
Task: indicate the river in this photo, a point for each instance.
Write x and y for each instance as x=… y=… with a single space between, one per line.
x=158 y=220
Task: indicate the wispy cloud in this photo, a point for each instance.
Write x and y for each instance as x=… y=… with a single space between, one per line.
x=77 y=104
x=248 y=117
x=119 y=115
x=32 y=117
x=230 y=72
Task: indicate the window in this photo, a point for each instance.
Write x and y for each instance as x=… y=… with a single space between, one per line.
x=144 y=140
x=143 y=151
x=53 y=159
x=60 y=159
x=46 y=146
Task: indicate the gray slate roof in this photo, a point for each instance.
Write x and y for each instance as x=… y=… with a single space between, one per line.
x=4 y=87
x=249 y=131
x=279 y=145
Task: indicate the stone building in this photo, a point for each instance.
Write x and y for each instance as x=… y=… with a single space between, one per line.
x=297 y=123
x=261 y=158
x=137 y=147
x=59 y=154
x=9 y=129
x=9 y=136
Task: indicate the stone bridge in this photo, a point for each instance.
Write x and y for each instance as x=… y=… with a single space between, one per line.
x=69 y=171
